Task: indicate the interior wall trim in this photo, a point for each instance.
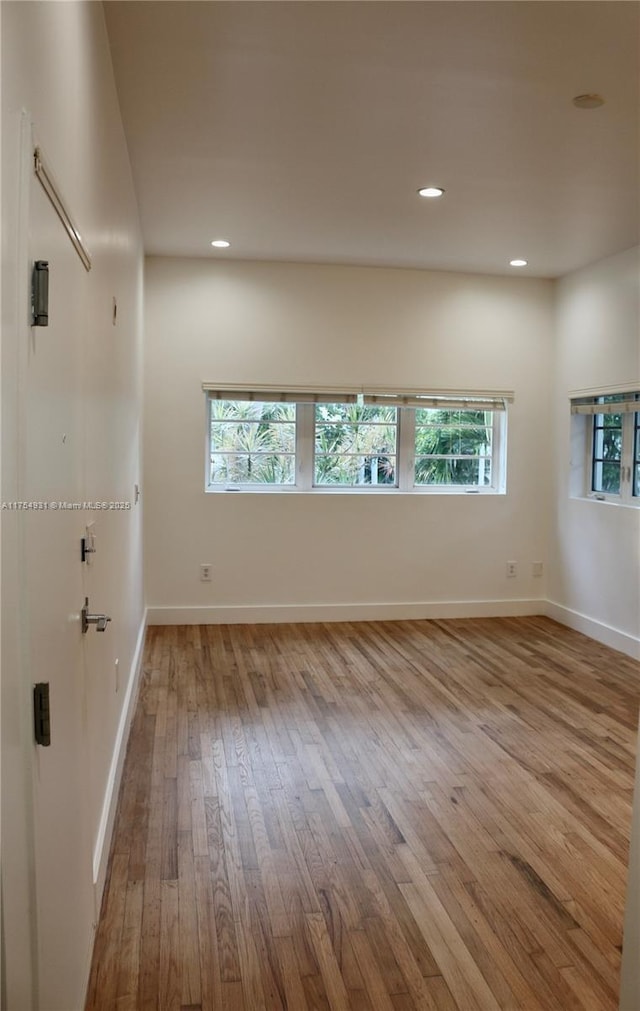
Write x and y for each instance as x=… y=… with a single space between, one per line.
x=112 y=789
x=260 y=614
x=275 y=614
x=598 y=630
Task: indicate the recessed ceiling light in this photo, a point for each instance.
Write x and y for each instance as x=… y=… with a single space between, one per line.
x=431 y=191
x=518 y=263
x=589 y=101
x=220 y=243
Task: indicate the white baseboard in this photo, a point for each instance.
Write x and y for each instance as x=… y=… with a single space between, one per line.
x=276 y=614
x=261 y=614
x=597 y=630
x=110 y=801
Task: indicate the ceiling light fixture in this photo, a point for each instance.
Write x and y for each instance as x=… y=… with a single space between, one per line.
x=431 y=191
x=220 y=243
x=518 y=263
x=589 y=101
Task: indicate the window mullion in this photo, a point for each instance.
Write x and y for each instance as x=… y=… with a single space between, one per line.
x=406 y=447
x=498 y=451
x=304 y=445
x=626 y=457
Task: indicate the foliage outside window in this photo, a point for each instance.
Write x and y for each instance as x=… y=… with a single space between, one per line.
x=252 y=443
x=453 y=447
x=375 y=447
x=607 y=453
x=355 y=445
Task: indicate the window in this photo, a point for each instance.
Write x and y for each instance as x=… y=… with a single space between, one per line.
x=355 y=445
x=375 y=442
x=636 y=455
x=453 y=447
x=610 y=425
x=606 y=453
x=252 y=442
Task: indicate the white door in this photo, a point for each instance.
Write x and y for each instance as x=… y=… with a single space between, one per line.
x=52 y=392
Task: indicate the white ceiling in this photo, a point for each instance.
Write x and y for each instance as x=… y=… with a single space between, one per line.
x=302 y=131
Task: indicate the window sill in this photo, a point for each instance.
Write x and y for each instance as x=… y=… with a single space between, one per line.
x=370 y=492
x=610 y=500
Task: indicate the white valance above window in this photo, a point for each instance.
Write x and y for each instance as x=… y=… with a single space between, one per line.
x=615 y=403
x=476 y=400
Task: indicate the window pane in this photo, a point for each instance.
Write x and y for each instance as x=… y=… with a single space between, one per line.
x=612 y=444
x=355 y=414
x=453 y=447
x=250 y=436
x=349 y=471
x=606 y=477
x=355 y=445
x=341 y=438
x=611 y=420
x=245 y=468
x=251 y=410
x=252 y=442
x=454 y=440
x=454 y=471
x=606 y=453
x=431 y=415
x=611 y=477
x=636 y=455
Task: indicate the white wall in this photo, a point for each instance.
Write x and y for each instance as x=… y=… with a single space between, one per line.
x=594 y=575
x=594 y=582
x=339 y=555
x=56 y=67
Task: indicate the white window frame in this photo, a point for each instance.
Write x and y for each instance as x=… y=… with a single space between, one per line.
x=404 y=401
x=309 y=462
x=588 y=408
x=635 y=458
x=498 y=462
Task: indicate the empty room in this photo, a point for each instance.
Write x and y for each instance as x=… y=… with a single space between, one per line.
x=320 y=511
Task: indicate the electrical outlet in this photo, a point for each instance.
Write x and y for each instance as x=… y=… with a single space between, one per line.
x=205 y=573
x=512 y=570
x=536 y=568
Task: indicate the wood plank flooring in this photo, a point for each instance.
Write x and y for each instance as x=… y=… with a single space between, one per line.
x=392 y=816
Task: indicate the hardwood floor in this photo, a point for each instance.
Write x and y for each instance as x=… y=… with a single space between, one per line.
x=396 y=816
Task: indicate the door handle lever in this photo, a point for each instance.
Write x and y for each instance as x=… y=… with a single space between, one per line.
x=99 y=620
